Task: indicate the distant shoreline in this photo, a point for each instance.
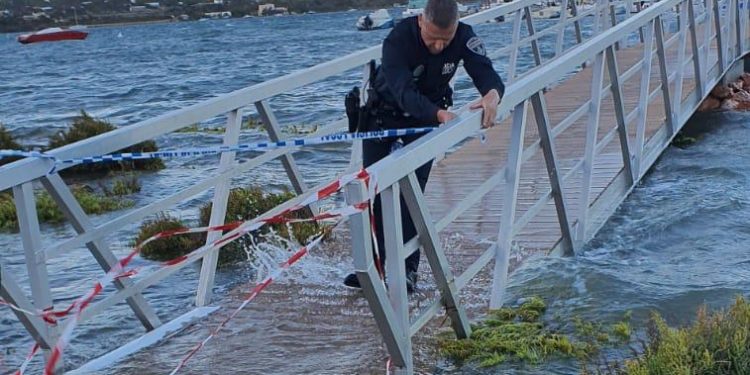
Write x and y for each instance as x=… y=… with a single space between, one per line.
x=166 y=15
x=129 y=23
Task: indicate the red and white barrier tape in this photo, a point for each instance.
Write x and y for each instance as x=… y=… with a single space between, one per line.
x=14 y=307
x=253 y=293
x=236 y=230
x=28 y=359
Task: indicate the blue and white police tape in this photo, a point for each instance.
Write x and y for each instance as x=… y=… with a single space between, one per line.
x=258 y=146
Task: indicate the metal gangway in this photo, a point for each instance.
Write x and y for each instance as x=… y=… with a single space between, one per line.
x=645 y=71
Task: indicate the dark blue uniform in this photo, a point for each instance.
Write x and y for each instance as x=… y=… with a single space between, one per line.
x=411 y=85
x=417 y=83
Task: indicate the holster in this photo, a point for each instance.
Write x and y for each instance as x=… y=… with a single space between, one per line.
x=359 y=116
x=351 y=103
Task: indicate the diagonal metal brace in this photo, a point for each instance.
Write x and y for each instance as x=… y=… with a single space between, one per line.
x=428 y=238
x=98 y=248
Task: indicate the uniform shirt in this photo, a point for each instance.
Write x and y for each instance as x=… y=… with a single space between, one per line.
x=417 y=82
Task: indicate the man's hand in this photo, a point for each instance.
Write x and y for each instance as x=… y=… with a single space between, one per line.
x=488 y=104
x=445 y=116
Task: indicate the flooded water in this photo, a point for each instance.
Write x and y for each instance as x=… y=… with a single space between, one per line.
x=656 y=253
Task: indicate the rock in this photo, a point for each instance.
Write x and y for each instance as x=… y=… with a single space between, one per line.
x=721 y=92
x=742 y=97
x=736 y=86
x=745 y=77
x=709 y=104
x=743 y=100
x=729 y=104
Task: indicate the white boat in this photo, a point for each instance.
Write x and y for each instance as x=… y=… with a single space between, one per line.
x=416 y=7
x=413 y=8
x=377 y=20
x=549 y=11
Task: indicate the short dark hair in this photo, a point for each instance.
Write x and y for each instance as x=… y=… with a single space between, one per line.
x=441 y=13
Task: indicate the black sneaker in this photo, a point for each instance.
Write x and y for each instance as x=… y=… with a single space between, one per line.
x=411 y=281
x=351 y=281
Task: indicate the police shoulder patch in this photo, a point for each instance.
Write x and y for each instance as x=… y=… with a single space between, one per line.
x=475 y=45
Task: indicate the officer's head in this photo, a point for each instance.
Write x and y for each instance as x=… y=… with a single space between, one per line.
x=438 y=24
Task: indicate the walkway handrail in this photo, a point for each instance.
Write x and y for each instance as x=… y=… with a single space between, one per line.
x=395 y=175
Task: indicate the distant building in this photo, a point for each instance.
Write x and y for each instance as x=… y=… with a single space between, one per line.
x=217 y=15
x=218 y=1
x=35 y=16
x=138 y=8
x=270 y=9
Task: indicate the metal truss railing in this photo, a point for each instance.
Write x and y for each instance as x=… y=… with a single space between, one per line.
x=395 y=173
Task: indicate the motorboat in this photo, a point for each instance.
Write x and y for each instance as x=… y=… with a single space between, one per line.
x=53 y=34
x=550 y=10
x=416 y=7
x=377 y=20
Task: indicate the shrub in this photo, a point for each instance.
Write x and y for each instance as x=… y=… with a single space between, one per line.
x=243 y=204
x=716 y=343
x=248 y=203
x=170 y=247
x=7 y=143
x=49 y=212
x=509 y=334
x=85 y=126
x=519 y=334
x=122 y=186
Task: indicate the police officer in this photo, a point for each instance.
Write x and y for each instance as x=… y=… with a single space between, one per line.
x=420 y=56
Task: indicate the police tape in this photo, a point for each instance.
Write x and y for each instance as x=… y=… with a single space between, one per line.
x=304 y=250
x=258 y=146
x=236 y=230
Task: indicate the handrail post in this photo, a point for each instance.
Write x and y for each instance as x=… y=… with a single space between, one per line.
x=695 y=51
x=218 y=210
x=664 y=75
x=677 y=98
x=640 y=137
x=515 y=37
x=720 y=42
x=511 y=181
x=367 y=274
x=395 y=269
x=590 y=147
x=560 y=41
x=36 y=262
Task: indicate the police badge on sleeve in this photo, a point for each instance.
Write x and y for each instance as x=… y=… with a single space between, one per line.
x=475 y=45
